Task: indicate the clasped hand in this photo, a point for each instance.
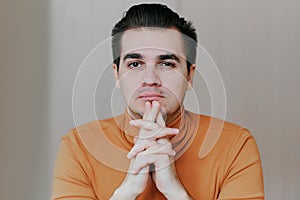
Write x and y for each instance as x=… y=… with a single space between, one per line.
x=152 y=149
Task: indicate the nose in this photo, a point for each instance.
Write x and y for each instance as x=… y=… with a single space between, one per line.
x=151 y=77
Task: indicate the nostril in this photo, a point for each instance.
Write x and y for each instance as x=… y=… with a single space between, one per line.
x=153 y=84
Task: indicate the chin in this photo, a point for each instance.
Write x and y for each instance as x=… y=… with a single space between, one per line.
x=136 y=113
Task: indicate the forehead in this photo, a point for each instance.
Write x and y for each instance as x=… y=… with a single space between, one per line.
x=158 y=39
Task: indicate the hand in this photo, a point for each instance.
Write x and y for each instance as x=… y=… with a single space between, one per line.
x=133 y=185
x=138 y=173
x=152 y=127
x=151 y=147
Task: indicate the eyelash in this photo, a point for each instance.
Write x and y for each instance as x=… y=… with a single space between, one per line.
x=168 y=64
x=164 y=63
x=135 y=62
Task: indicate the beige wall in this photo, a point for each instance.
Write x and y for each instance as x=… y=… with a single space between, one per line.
x=254 y=43
x=25 y=167
x=256 y=47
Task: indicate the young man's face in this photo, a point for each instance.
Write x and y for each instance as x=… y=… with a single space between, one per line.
x=153 y=68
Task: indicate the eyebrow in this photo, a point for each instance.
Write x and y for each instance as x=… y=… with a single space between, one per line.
x=132 y=56
x=168 y=57
x=160 y=57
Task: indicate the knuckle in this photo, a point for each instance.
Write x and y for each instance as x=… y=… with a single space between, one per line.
x=139 y=157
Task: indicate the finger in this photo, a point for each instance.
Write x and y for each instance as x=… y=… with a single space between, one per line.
x=147 y=110
x=135 y=168
x=163 y=141
x=140 y=146
x=153 y=130
x=154 y=111
x=147 y=125
x=163 y=133
x=160 y=148
x=144 y=160
x=141 y=162
x=160 y=120
x=135 y=139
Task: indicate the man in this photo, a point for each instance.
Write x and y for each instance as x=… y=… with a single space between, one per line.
x=152 y=151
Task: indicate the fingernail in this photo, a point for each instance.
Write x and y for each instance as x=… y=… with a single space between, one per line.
x=156 y=103
x=174 y=153
x=129 y=155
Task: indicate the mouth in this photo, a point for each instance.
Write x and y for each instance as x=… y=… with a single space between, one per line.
x=151 y=96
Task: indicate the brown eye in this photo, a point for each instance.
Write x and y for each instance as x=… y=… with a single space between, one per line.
x=134 y=65
x=168 y=64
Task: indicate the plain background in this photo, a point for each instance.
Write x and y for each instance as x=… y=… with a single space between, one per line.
x=254 y=43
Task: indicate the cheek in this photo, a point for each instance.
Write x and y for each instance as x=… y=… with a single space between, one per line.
x=177 y=84
x=128 y=87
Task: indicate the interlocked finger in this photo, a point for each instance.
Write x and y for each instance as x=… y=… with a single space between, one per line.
x=152 y=130
x=147 y=110
x=147 y=125
x=143 y=160
x=161 y=147
x=154 y=112
x=140 y=145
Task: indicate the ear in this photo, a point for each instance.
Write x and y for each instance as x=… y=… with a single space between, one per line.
x=191 y=76
x=116 y=75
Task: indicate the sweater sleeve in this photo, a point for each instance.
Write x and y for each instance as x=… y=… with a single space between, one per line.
x=244 y=178
x=71 y=180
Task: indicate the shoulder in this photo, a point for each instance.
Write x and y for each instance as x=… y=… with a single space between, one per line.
x=90 y=132
x=213 y=123
x=219 y=135
x=93 y=126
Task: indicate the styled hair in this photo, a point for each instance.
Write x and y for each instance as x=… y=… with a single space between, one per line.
x=159 y=16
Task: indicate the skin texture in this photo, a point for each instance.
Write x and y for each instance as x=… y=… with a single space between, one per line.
x=153 y=79
x=151 y=75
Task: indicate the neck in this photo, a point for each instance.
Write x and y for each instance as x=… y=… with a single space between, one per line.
x=175 y=115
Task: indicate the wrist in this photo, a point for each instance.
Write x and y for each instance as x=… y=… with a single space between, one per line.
x=124 y=192
x=178 y=192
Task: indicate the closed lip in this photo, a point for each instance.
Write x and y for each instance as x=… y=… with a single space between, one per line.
x=150 y=96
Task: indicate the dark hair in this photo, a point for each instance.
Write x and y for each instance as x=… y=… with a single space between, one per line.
x=155 y=15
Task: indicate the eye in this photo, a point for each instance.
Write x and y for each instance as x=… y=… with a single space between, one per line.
x=134 y=64
x=168 y=64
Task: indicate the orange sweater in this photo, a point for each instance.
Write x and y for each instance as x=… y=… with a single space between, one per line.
x=214 y=160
